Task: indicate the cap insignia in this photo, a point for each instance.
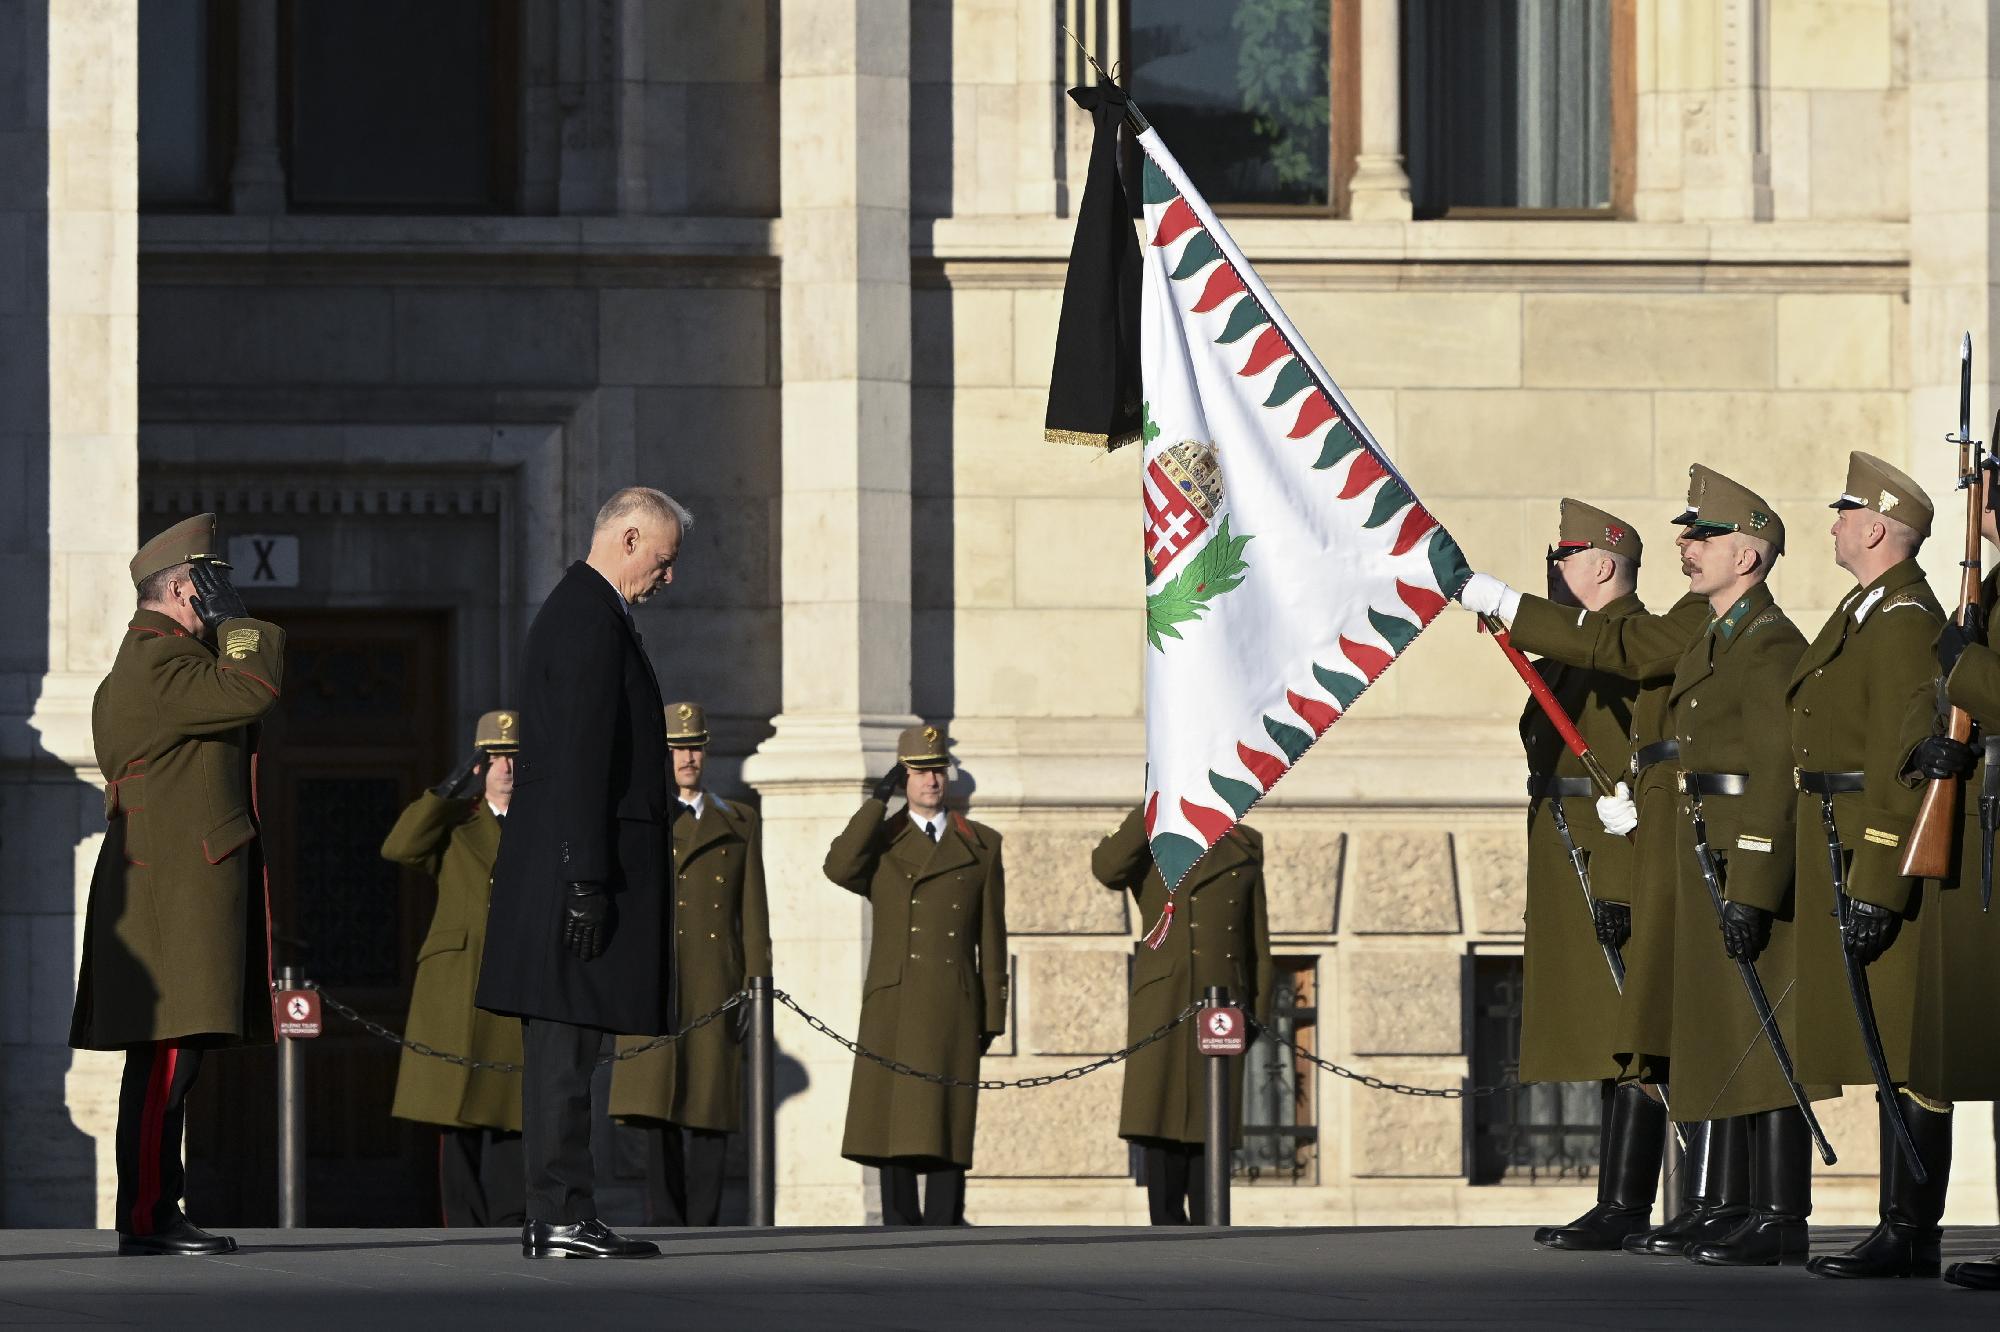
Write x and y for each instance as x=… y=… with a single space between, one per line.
x=1888 y=501
x=1614 y=533
x=1759 y=520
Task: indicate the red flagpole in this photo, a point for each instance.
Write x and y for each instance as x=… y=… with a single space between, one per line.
x=1539 y=687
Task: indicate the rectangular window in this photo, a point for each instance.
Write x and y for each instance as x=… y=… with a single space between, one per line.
x=399 y=107
x=1244 y=94
x=1546 y=1133
x=186 y=71
x=1516 y=106
x=1280 y=1119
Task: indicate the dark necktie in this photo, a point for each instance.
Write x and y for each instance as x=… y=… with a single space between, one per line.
x=686 y=811
x=936 y=830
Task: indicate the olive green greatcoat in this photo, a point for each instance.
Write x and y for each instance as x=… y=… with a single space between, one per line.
x=1957 y=1055
x=936 y=982
x=1853 y=696
x=1726 y=707
x=1220 y=936
x=1569 y=1005
x=1643 y=1030
x=177 y=933
x=722 y=934
x=455 y=843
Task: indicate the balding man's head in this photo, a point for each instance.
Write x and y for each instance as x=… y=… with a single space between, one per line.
x=636 y=540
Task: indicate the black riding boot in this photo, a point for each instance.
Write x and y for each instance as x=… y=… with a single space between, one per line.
x=1906 y=1242
x=1781 y=1197
x=1716 y=1182
x=1628 y=1175
x=1982 y=1275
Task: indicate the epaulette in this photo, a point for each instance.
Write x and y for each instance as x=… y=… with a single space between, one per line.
x=1769 y=615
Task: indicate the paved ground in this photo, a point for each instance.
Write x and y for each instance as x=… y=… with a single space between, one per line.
x=387 y=1280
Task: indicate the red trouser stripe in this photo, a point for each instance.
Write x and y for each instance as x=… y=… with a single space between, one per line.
x=152 y=1126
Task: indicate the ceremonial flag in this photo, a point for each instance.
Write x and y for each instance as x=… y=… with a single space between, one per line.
x=1287 y=564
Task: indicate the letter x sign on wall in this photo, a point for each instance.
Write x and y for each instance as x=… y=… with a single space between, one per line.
x=258 y=560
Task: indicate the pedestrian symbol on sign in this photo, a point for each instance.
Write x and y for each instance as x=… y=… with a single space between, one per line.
x=1221 y=1032
x=296 y=1008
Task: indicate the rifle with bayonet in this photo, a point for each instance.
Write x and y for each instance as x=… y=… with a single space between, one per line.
x=1927 y=850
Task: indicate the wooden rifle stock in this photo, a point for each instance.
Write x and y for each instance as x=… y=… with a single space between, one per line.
x=1927 y=850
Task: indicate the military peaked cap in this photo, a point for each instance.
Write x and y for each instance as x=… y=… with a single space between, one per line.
x=922 y=747
x=187 y=540
x=1717 y=504
x=1585 y=527
x=687 y=726
x=498 y=732
x=1889 y=491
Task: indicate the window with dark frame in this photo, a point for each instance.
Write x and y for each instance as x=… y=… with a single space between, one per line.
x=1249 y=96
x=1280 y=1105
x=1546 y=1133
x=187 y=102
x=1517 y=107
x=393 y=107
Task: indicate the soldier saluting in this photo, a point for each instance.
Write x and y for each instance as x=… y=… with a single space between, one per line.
x=176 y=942
x=722 y=933
x=935 y=996
x=1728 y=690
x=453 y=835
x=1226 y=941
x=1570 y=1008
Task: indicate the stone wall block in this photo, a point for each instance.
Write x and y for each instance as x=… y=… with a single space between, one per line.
x=1403 y=1001
x=1401 y=882
x=1050 y=889
x=1302 y=869
x=1067 y=1130
x=1602 y=340
x=1075 y=1000
x=1407 y=1135
x=1493 y=866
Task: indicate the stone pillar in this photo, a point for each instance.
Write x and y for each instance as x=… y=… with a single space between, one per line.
x=69 y=306
x=1954 y=119
x=257 y=178
x=1704 y=111
x=1381 y=188
x=845 y=566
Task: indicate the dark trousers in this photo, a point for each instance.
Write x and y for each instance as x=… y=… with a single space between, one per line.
x=943 y=1202
x=556 y=1064
x=1177 y=1183
x=152 y=1105
x=480 y=1178
x=684 y=1183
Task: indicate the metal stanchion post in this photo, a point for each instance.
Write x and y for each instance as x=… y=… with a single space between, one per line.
x=1216 y=1153
x=763 y=1105
x=291 y=1119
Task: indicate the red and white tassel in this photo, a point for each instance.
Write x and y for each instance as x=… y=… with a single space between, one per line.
x=1158 y=934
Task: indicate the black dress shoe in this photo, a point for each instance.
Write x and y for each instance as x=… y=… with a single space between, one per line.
x=1975 y=1276
x=1695 y=1226
x=1603 y=1227
x=182 y=1239
x=586 y=1239
x=1892 y=1249
x=1762 y=1239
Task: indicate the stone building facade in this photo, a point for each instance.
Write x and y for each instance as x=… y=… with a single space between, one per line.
x=800 y=262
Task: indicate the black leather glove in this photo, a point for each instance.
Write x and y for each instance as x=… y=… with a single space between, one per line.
x=458 y=783
x=215 y=597
x=893 y=783
x=586 y=919
x=1614 y=923
x=740 y=1027
x=1867 y=930
x=1746 y=930
x=1954 y=638
x=986 y=1039
x=1941 y=758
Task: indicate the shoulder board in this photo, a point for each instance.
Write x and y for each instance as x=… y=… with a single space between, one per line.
x=1906 y=599
x=1769 y=615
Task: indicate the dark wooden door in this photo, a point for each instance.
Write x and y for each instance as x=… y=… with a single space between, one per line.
x=362 y=728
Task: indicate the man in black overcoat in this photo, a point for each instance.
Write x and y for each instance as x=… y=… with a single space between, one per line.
x=578 y=937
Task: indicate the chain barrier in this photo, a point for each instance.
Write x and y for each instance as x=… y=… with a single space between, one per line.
x=897 y=1066
x=988 y=1084
x=1373 y=1083
x=374 y=1028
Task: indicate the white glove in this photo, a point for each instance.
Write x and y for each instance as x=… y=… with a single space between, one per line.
x=1483 y=594
x=1617 y=812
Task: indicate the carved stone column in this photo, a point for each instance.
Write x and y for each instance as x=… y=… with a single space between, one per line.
x=257 y=178
x=1381 y=187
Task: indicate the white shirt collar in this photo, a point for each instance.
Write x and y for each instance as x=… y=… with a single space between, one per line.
x=495 y=810
x=699 y=804
x=933 y=826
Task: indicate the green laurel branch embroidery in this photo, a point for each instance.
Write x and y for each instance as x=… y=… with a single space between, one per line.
x=1216 y=568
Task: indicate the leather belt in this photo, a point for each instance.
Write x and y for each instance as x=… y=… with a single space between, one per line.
x=1713 y=783
x=1561 y=786
x=1660 y=751
x=1828 y=783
